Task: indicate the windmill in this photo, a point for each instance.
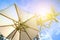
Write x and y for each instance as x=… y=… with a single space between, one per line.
x=23 y=29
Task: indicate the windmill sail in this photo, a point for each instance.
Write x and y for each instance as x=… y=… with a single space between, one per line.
x=19 y=20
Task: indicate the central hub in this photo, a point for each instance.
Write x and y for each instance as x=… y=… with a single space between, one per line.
x=19 y=26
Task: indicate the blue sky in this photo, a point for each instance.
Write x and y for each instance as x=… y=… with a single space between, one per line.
x=53 y=32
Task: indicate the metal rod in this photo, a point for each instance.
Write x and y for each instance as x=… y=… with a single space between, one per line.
x=17 y=12
x=20 y=35
x=15 y=24
x=11 y=35
x=7 y=17
x=6 y=25
x=26 y=33
x=30 y=27
x=29 y=19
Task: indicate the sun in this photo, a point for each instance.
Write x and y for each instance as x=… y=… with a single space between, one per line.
x=42 y=12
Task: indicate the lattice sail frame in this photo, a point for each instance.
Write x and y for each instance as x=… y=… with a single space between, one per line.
x=27 y=30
